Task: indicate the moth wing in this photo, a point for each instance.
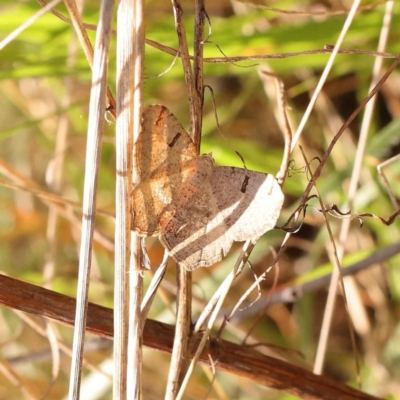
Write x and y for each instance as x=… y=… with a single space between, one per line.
x=196 y=235
x=233 y=205
x=163 y=144
x=166 y=161
x=249 y=201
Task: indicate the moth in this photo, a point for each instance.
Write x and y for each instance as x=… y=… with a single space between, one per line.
x=196 y=208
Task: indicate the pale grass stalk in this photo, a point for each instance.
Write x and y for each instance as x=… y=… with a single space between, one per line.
x=325 y=73
x=123 y=134
x=330 y=305
x=354 y=302
x=136 y=273
x=8 y=39
x=97 y=108
x=153 y=287
x=127 y=316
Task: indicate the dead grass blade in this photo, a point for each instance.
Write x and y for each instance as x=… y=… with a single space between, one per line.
x=95 y=130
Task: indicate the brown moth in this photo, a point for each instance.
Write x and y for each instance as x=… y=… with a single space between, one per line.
x=196 y=208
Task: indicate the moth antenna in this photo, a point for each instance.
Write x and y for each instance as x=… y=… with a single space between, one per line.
x=219 y=127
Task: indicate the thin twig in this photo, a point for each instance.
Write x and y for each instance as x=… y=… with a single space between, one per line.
x=179 y=358
x=127 y=299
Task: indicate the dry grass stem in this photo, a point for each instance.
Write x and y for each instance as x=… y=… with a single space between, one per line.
x=95 y=130
x=12 y=36
x=326 y=71
x=129 y=59
x=322 y=345
x=136 y=271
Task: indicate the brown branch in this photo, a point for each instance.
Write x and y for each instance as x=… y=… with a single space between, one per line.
x=236 y=359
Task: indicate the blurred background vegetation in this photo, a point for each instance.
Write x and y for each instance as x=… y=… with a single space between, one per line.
x=44 y=97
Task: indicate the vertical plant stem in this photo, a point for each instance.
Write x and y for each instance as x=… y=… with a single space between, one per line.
x=187 y=69
x=200 y=14
x=179 y=359
x=326 y=323
x=97 y=108
x=136 y=322
x=127 y=352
